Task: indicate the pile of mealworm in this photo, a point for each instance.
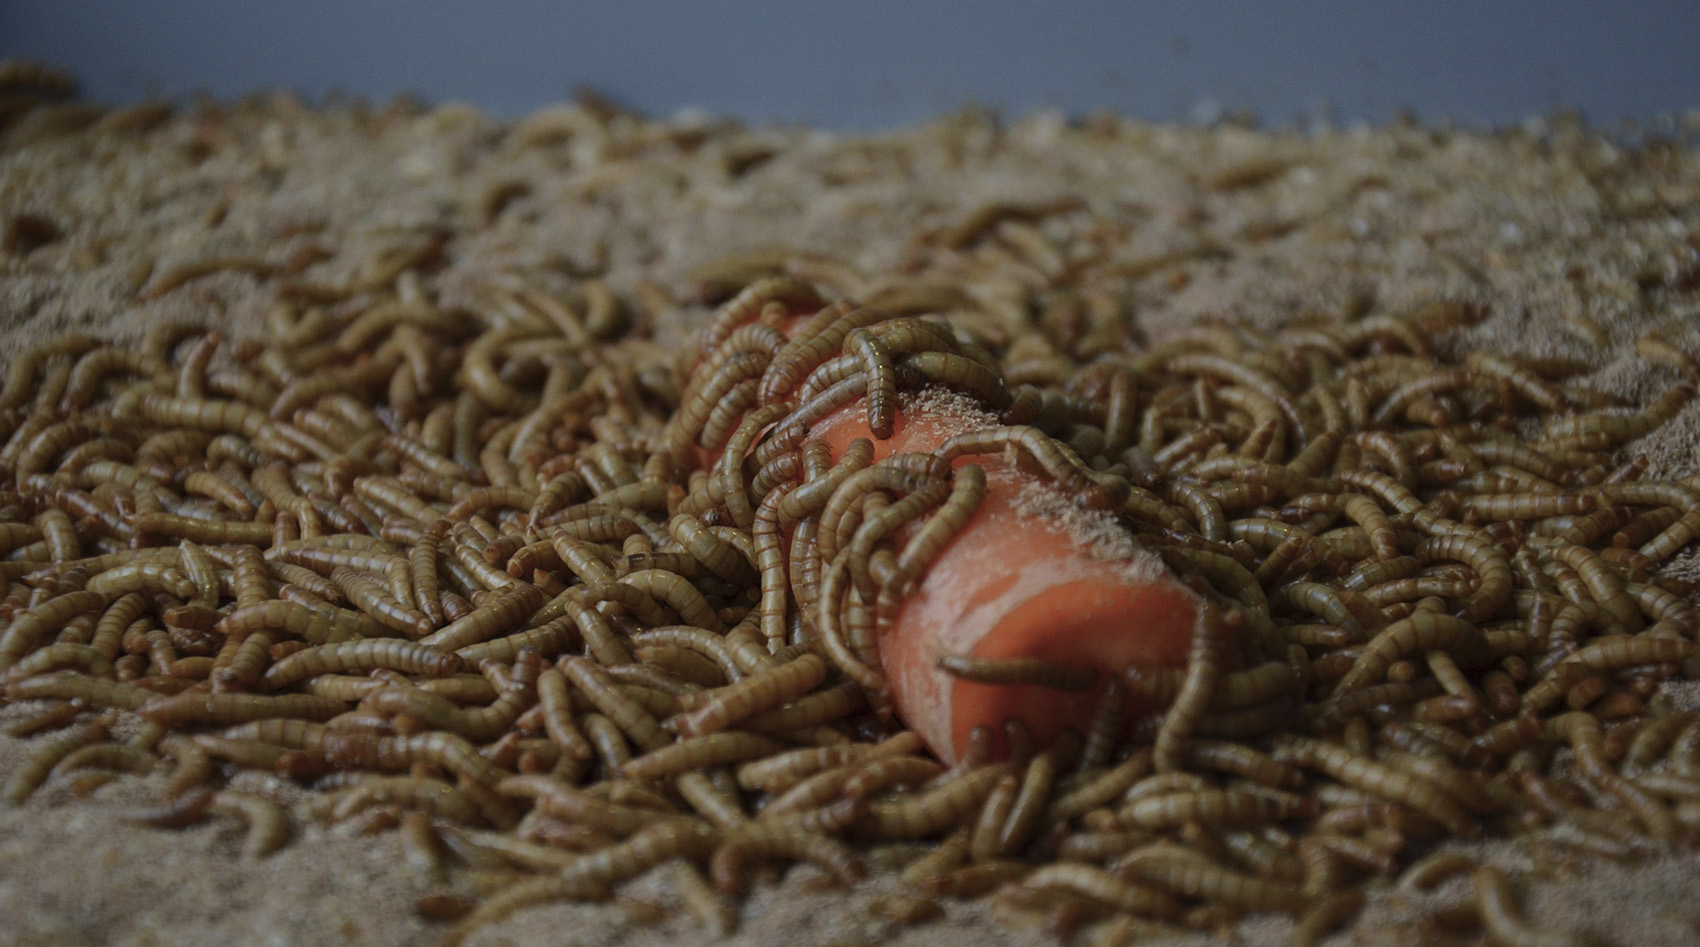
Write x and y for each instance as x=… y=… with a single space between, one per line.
x=459 y=573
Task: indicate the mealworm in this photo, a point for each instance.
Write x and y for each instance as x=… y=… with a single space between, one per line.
x=1422 y=632
x=758 y=841
x=1167 y=867
x=632 y=719
x=69 y=685
x=754 y=694
x=643 y=850
x=1032 y=672
x=1028 y=810
x=112 y=756
x=1377 y=779
x=1494 y=902
x=403 y=656
x=1211 y=637
x=59 y=656
x=1104 y=887
x=197 y=708
x=931 y=812
x=268 y=825
x=433 y=796
x=510 y=607
x=39 y=764
x=1583 y=733
x=820 y=707
x=27 y=628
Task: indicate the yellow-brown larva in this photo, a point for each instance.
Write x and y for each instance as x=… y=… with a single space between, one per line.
x=1105 y=887
x=1211 y=639
x=632 y=719
x=268 y=824
x=39 y=764
x=759 y=841
x=393 y=654
x=512 y=606
x=699 y=752
x=755 y=694
x=1170 y=868
x=1377 y=779
x=1422 y=632
x=1034 y=672
x=918 y=816
x=1495 y=903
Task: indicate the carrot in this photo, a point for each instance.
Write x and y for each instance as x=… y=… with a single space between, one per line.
x=1012 y=584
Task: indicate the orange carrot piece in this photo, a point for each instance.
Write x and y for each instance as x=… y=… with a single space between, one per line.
x=1012 y=584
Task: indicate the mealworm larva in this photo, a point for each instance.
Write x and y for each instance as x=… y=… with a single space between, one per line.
x=1102 y=787
x=410 y=792
x=1495 y=903
x=1378 y=779
x=196 y=708
x=268 y=824
x=1029 y=809
x=1602 y=582
x=1214 y=807
x=644 y=850
x=561 y=801
x=557 y=715
x=931 y=812
x=1211 y=639
x=1031 y=672
x=720 y=808
x=1656 y=737
x=45 y=715
x=1242 y=761
x=994 y=811
x=714 y=749
x=677 y=593
x=879 y=522
x=1583 y=732
x=1421 y=632
x=1104 y=887
x=1056 y=460
x=69 y=685
x=759 y=841
x=1502 y=739
x=783 y=770
x=63 y=655
x=27 y=628
x=403 y=656
x=113 y=756
x=820 y=707
x=632 y=719
x=1430 y=870
x=497 y=615
x=1168 y=867
x=754 y=694
x=39 y=764
x=701 y=900
x=517 y=896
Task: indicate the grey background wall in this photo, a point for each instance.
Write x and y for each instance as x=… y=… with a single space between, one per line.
x=878 y=63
